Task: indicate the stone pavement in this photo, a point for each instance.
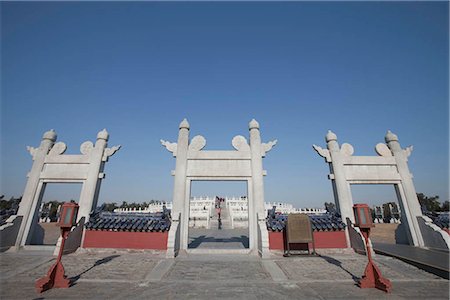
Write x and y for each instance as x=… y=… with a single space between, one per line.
x=145 y=275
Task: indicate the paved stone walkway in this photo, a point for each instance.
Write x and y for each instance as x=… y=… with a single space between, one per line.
x=145 y=275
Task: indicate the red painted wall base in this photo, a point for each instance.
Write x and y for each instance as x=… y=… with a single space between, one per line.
x=124 y=239
x=323 y=239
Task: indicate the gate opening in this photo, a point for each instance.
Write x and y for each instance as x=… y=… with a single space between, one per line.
x=55 y=194
x=384 y=206
x=218 y=215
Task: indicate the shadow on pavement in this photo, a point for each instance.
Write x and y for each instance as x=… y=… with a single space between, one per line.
x=339 y=264
x=97 y=263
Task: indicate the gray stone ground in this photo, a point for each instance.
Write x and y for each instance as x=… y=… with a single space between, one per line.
x=146 y=275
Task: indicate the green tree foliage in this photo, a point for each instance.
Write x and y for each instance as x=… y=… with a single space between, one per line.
x=445 y=206
x=8 y=204
x=110 y=206
x=431 y=204
x=330 y=207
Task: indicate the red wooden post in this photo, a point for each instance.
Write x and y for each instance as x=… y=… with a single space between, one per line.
x=372 y=277
x=55 y=277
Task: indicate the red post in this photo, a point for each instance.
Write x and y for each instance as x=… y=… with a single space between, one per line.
x=55 y=277
x=372 y=277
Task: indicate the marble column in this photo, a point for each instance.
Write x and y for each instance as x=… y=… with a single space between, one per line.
x=29 y=201
x=410 y=202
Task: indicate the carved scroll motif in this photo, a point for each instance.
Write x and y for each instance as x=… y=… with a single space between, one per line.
x=383 y=150
x=171 y=147
x=240 y=143
x=58 y=149
x=110 y=152
x=325 y=153
x=266 y=147
x=86 y=147
x=197 y=143
x=347 y=149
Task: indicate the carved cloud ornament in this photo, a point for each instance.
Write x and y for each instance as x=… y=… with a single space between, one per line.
x=171 y=147
x=32 y=151
x=347 y=149
x=58 y=149
x=408 y=150
x=110 y=152
x=86 y=147
x=197 y=143
x=325 y=153
x=266 y=147
x=240 y=143
x=383 y=150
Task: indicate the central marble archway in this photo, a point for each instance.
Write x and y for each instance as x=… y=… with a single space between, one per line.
x=243 y=164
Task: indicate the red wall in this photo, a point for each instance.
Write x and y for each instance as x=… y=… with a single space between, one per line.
x=125 y=239
x=323 y=239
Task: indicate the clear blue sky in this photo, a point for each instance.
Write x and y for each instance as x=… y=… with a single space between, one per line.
x=299 y=68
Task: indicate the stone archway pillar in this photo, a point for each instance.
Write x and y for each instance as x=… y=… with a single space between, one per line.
x=91 y=186
x=410 y=201
x=341 y=187
x=33 y=182
x=257 y=168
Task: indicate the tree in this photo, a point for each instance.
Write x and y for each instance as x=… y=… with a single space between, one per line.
x=109 y=206
x=445 y=206
x=330 y=207
x=431 y=204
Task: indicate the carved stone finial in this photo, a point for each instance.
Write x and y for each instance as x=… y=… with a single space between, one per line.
x=50 y=135
x=253 y=124
x=184 y=124
x=103 y=135
x=331 y=136
x=390 y=137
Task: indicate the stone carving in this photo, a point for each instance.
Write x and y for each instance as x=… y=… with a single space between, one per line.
x=245 y=164
x=58 y=149
x=32 y=151
x=325 y=153
x=171 y=147
x=86 y=147
x=408 y=150
x=389 y=167
x=240 y=143
x=382 y=150
x=50 y=165
x=347 y=149
x=197 y=143
x=110 y=152
x=266 y=147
